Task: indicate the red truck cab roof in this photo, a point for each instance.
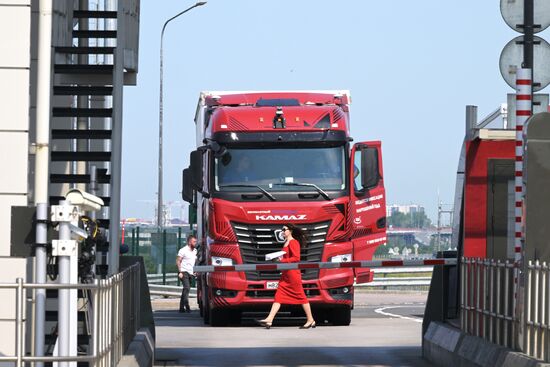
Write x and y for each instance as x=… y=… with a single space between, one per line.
x=258 y=111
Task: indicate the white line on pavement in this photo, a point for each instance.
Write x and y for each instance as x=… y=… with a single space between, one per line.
x=381 y=312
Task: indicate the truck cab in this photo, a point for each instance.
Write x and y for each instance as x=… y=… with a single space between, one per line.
x=264 y=159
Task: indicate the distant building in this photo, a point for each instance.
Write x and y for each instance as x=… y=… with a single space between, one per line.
x=405 y=209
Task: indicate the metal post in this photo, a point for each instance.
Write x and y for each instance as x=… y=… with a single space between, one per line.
x=527 y=334
x=507 y=316
x=105 y=322
x=40 y=276
x=542 y=310
x=535 y=306
x=438 y=224
x=19 y=322
x=529 y=31
x=478 y=294
x=82 y=122
x=110 y=320
x=96 y=316
x=484 y=293
x=471 y=288
x=64 y=308
x=464 y=290
x=41 y=167
x=137 y=241
x=498 y=302
x=547 y=306
x=116 y=138
x=160 y=220
x=491 y=300
x=471 y=121
x=523 y=112
x=164 y=257
x=133 y=242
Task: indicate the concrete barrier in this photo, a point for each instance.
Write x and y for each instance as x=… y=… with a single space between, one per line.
x=140 y=352
x=444 y=345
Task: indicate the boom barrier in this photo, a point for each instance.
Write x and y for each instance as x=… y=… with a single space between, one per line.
x=322 y=265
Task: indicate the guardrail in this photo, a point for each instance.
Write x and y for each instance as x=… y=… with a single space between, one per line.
x=115 y=309
x=381 y=280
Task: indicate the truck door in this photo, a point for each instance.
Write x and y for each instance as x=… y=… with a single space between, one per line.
x=367 y=204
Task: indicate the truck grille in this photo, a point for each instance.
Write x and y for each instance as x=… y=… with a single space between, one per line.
x=257 y=240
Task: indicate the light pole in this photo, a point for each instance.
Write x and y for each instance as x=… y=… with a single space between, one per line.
x=160 y=221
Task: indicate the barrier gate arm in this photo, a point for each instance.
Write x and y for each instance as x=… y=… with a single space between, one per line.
x=322 y=265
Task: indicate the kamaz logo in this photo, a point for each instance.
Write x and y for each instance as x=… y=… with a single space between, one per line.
x=281 y=217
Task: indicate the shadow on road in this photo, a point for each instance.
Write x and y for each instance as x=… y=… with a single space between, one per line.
x=299 y=356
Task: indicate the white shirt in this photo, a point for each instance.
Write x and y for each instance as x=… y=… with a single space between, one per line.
x=188 y=258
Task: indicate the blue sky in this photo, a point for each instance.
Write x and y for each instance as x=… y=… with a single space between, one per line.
x=411 y=67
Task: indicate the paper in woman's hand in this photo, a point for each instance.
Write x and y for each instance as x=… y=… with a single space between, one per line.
x=274 y=255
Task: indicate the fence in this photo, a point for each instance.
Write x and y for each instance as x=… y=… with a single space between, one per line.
x=486 y=300
x=158 y=249
x=537 y=311
x=115 y=318
x=489 y=306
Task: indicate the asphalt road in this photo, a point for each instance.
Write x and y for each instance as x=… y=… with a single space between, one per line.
x=385 y=331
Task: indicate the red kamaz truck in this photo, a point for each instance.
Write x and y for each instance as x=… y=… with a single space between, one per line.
x=268 y=158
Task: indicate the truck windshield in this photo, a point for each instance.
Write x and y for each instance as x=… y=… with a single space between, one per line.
x=322 y=167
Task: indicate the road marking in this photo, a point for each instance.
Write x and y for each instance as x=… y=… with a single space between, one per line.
x=381 y=312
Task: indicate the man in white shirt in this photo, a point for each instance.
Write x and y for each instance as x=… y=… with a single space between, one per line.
x=185 y=261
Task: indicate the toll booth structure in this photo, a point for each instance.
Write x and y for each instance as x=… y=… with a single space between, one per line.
x=503 y=299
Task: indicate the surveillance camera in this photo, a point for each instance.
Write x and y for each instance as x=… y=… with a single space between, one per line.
x=87 y=201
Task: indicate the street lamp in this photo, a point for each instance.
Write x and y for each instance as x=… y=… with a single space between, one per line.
x=160 y=210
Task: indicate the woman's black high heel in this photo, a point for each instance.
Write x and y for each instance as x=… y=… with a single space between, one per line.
x=264 y=323
x=312 y=325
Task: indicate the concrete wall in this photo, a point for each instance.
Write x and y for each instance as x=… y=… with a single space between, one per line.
x=15 y=65
x=15 y=19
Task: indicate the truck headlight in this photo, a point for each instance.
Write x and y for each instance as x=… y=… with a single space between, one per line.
x=221 y=261
x=341 y=258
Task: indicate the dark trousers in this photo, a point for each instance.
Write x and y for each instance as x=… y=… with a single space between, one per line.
x=184 y=300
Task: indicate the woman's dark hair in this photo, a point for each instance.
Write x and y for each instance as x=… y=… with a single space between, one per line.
x=298 y=233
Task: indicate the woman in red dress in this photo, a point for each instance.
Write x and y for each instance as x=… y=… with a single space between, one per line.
x=290 y=290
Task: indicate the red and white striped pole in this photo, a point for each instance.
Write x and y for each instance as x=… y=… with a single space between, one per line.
x=523 y=112
x=524 y=105
x=323 y=265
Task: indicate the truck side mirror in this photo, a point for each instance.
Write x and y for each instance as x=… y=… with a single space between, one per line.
x=187 y=187
x=195 y=169
x=370 y=172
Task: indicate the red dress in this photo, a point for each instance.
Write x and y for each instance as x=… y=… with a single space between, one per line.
x=290 y=290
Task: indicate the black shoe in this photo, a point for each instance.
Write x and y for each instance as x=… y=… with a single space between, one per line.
x=264 y=323
x=307 y=326
x=188 y=310
x=181 y=311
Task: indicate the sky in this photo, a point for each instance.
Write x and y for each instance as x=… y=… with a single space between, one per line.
x=411 y=67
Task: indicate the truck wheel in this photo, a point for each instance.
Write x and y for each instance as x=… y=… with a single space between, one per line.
x=218 y=317
x=341 y=316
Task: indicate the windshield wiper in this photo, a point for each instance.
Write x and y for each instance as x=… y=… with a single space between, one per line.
x=319 y=190
x=256 y=186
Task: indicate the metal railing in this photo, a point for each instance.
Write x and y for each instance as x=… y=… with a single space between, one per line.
x=381 y=280
x=486 y=296
x=115 y=314
x=537 y=311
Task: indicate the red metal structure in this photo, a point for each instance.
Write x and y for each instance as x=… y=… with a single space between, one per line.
x=479 y=216
x=264 y=159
